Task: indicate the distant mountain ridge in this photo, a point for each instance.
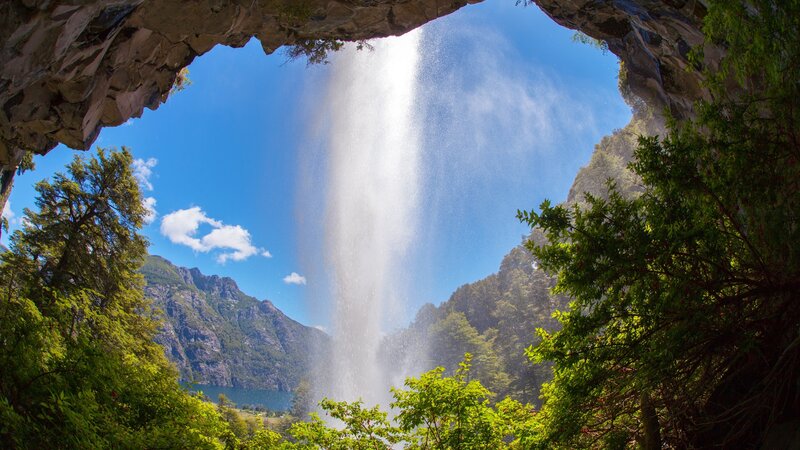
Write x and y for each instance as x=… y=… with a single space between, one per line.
x=216 y=334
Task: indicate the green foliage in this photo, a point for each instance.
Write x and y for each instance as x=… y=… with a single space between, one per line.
x=453 y=336
x=522 y=304
x=493 y=319
x=316 y=51
x=301 y=400
x=434 y=412
x=26 y=163
x=583 y=38
x=503 y=310
x=241 y=432
x=448 y=412
x=638 y=105
x=80 y=369
x=761 y=39
x=263 y=439
x=684 y=325
x=159 y=271
x=182 y=81
x=293 y=15
x=361 y=428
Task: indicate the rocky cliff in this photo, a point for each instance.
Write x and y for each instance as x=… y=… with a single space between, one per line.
x=70 y=67
x=216 y=334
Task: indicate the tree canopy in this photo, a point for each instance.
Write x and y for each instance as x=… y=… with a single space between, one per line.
x=683 y=327
x=683 y=330
x=80 y=369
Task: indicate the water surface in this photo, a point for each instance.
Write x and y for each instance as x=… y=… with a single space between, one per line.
x=272 y=400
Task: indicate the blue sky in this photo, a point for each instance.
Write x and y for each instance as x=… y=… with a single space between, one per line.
x=514 y=106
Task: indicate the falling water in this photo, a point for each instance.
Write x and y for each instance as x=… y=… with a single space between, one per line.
x=373 y=157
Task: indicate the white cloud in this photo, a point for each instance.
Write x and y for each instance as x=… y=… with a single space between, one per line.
x=150 y=215
x=294 y=278
x=322 y=328
x=181 y=227
x=142 y=170
x=128 y=123
x=230 y=236
x=8 y=214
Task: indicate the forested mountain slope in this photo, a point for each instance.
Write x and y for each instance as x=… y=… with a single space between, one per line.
x=216 y=334
x=495 y=318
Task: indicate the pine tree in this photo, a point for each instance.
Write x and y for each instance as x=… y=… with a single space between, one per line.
x=80 y=369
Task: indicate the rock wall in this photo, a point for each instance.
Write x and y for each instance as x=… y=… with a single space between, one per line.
x=653 y=39
x=70 y=67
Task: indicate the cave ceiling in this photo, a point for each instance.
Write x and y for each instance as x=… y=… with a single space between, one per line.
x=68 y=68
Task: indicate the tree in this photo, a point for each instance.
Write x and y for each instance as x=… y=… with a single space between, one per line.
x=361 y=428
x=316 y=51
x=264 y=440
x=439 y=412
x=683 y=325
x=453 y=336
x=434 y=412
x=301 y=400
x=80 y=369
x=448 y=412
x=182 y=81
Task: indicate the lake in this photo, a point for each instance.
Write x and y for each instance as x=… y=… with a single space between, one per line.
x=272 y=400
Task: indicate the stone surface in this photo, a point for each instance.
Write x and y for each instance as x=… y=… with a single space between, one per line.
x=70 y=67
x=652 y=38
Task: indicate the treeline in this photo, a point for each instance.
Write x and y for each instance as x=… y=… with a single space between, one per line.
x=494 y=320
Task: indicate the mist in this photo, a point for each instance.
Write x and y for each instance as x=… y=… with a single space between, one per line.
x=402 y=144
x=371 y=201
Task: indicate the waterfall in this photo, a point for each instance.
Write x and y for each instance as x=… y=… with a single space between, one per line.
x=373 y=147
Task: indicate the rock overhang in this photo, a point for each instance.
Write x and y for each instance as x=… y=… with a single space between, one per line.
x=68 y=68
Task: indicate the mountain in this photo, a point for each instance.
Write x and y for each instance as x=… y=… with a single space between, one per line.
x=216 y=334
x=495 y=318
